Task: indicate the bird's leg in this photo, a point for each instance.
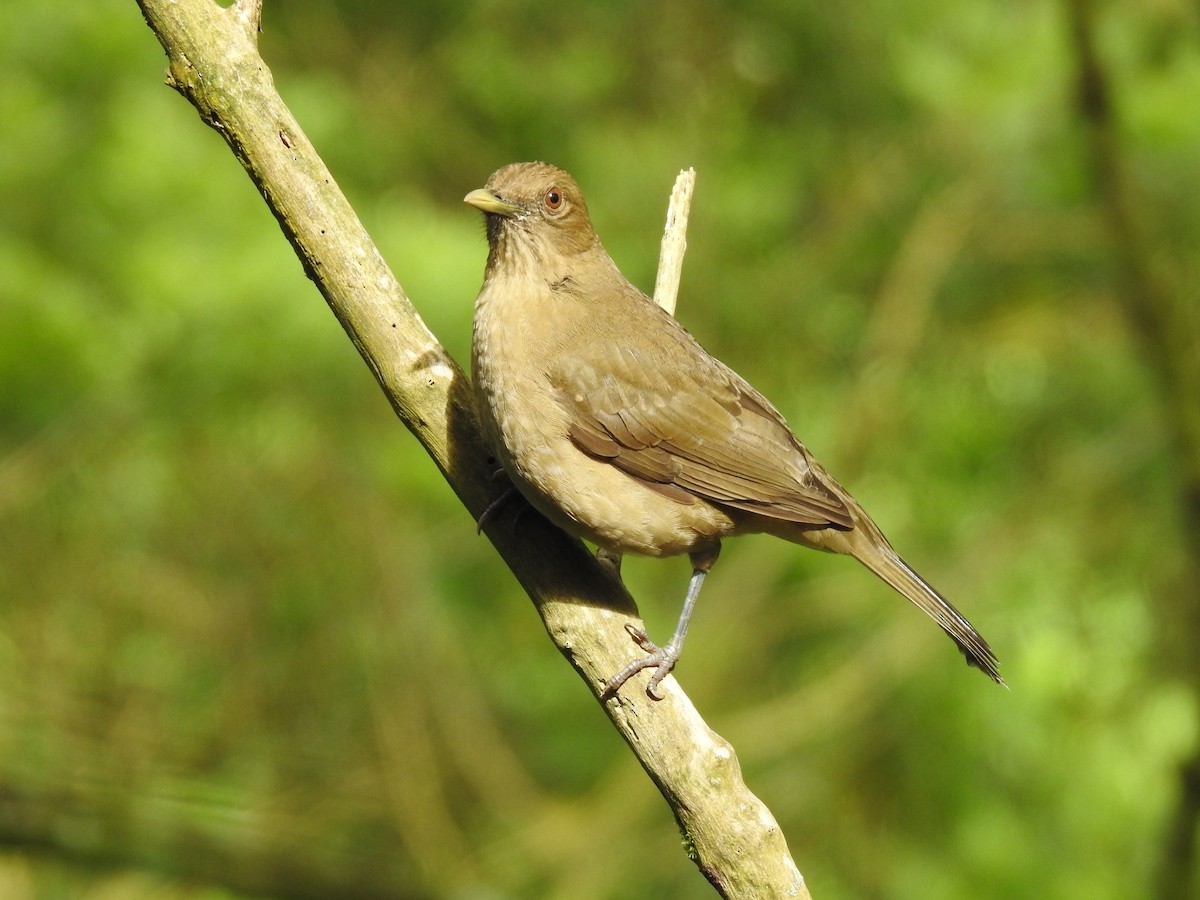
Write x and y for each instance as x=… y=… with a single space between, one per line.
x=663 y=659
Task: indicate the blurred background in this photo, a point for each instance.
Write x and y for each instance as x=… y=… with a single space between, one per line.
x=250 y=645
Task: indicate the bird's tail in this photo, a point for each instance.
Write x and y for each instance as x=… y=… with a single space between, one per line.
x=885 y=563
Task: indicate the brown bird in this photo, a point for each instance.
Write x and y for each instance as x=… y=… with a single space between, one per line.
x=620 y=428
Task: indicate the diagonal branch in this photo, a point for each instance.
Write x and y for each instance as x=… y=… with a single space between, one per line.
x=214 y=63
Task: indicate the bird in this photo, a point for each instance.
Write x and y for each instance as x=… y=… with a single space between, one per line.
x=615 y=424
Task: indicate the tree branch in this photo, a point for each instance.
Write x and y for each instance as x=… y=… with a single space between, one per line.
x=674 y=241
x=214 y=63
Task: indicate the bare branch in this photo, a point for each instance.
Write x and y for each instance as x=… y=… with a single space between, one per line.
x=674 y=241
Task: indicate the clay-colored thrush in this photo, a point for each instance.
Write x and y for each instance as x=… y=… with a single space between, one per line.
x=616 y=425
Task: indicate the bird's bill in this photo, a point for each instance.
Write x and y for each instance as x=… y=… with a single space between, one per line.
x=485 y=200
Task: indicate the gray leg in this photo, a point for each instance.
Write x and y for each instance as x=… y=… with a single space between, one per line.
x=662 y=659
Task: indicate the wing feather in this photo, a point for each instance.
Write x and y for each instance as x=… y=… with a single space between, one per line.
x=663 y=411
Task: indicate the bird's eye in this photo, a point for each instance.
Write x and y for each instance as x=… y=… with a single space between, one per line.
x=553 y=199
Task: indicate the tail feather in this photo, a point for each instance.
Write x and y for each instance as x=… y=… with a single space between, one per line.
x=896 y=572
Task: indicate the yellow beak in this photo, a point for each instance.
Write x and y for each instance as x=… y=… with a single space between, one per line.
x=484 y=200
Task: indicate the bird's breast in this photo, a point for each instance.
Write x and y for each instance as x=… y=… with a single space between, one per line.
x=510 y=343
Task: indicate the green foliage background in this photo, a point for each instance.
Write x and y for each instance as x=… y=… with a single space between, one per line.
x=249 y=642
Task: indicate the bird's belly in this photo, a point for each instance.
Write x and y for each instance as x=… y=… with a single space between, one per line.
x=594 y=501
x=583 y=496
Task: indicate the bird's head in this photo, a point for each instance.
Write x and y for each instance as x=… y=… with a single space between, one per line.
x=535 y=214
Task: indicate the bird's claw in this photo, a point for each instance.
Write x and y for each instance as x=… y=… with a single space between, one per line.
x=611 y=559
x=638 y=633
x=494 y=507
x=510 y=492
x=661 y=659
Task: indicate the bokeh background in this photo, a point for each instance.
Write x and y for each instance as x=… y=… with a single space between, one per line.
x=250 y=645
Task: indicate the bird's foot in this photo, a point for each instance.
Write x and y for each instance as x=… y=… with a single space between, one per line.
x=610 y=558
x=493 y=508
x=661 y=659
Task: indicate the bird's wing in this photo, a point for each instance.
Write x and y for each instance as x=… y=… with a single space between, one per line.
x=658 y=407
